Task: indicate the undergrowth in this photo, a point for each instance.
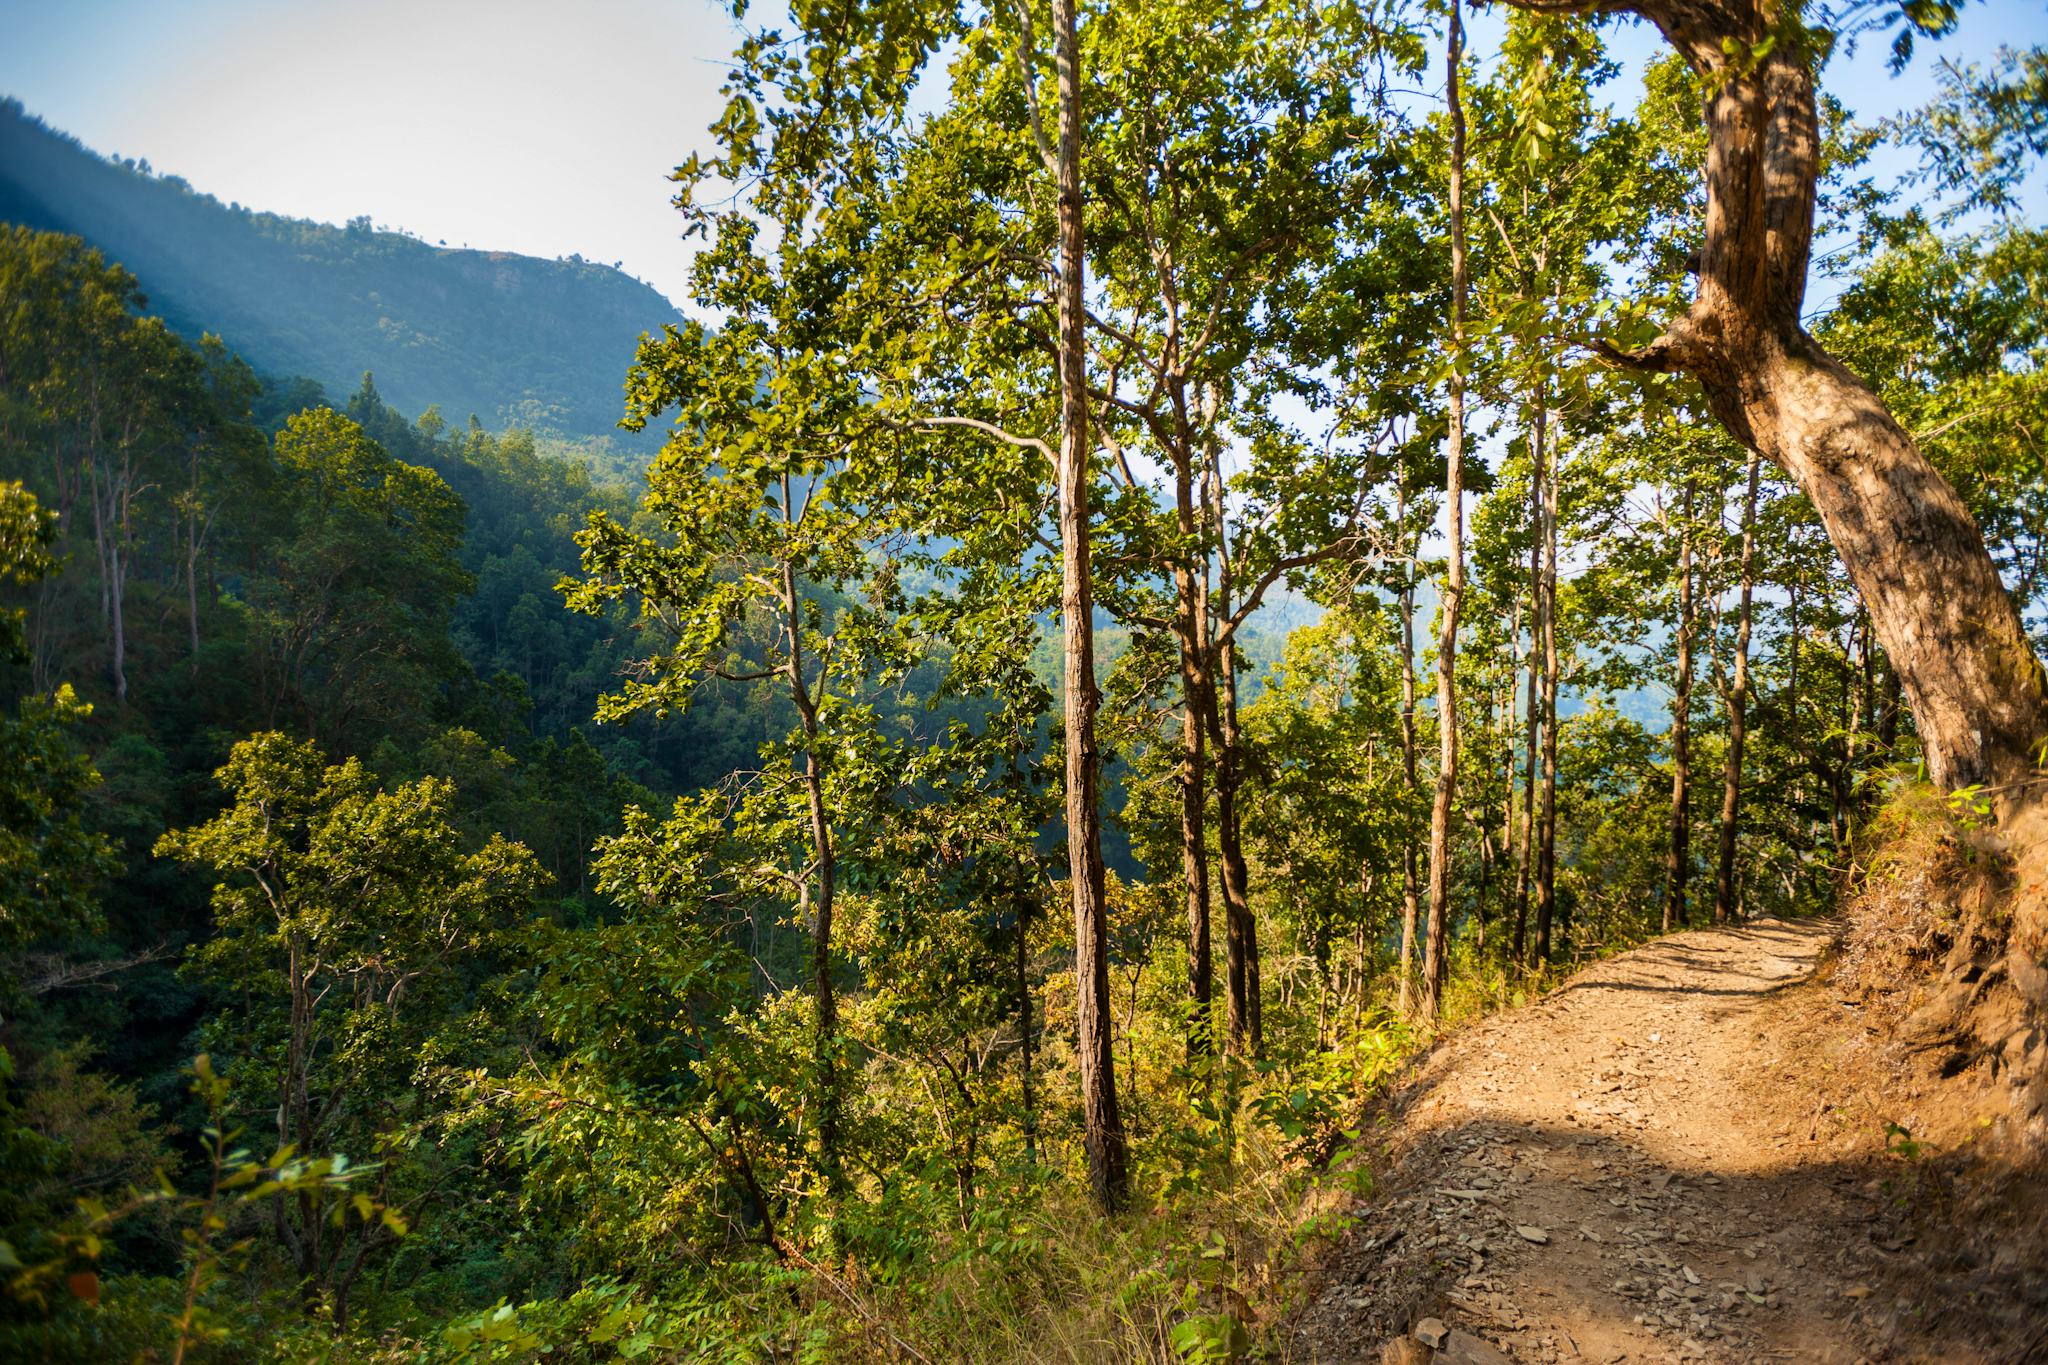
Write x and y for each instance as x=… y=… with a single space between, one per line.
x=1919 y=885
x=1198 y=1269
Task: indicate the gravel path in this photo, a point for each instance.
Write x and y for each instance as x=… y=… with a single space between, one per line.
x=1611 y=1175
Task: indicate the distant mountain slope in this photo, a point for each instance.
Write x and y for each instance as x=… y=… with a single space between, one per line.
x=513 y=339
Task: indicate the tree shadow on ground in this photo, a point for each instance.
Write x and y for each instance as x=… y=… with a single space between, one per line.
x=1832 y=1260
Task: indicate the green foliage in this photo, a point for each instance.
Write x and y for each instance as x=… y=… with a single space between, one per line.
x=57 y=1295
x=514 y=339
x=1980 y=134
x=348 y=606
x=351 y=927
x=51 y=860
x=781 y=1063
x=26 y=534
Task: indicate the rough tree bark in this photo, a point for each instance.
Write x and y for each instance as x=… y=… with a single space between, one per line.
x=1436 y=940
x=1103 y=1129
x=1738 y=711
x=1978 y=694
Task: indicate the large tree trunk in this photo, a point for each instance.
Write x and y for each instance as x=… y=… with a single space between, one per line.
x=1436 y=943
x=1738 y=711
x=1103 y=1128
x=1678 y=856
x=1979 y=697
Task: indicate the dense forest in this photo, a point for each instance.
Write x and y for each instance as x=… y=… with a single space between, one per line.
x=877 y=883
x=514 y=339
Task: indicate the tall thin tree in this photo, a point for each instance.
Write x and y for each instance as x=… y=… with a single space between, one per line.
x=1678 y=855
x=1738 y=710
x=1533 y=722
x=1436 y=941
x=1411 y=781
x=1546 y=811
x=1103 y=1128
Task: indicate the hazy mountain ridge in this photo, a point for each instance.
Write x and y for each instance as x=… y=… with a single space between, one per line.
x=513 y=339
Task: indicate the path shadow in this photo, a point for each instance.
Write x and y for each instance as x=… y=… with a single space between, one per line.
x=1811 y=1232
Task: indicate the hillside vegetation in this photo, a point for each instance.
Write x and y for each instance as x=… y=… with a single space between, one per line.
x=512 y=339
x=868 y=888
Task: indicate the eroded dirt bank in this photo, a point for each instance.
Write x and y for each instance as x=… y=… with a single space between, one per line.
x=1683 y=1154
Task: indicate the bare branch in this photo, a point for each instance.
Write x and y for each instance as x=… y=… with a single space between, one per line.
x=53 y=973
x=1027 y=62
x=989 y=429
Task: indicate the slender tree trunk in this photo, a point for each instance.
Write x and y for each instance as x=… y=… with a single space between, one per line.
x=1525 y=857
x=1241 y=948
x=1738 y=711
x=119 y=491
x=1103 y=1128
x=192 y=606
x=1365 y=963
x=1792 y=661
x=1024 y=1034
x=1410 y=881
x=1539 y=445
x=1504 y=707
x=192 y=534
x=1436 y=943
x=117 y=565
x=825 y=862
x=1483 y=883
x=1888 y=719
x=1247 y=1030
x=96 y=478
x=1866 y=686
x=1678 y=857
x=1546 y=831
x=1192 y=601
x=1862 y=724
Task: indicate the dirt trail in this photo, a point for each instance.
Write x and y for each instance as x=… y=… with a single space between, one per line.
x=1628 y=1170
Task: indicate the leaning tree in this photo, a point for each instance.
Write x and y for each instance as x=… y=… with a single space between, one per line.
x=1979 y=696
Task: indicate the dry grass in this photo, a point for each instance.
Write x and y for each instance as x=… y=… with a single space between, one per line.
x=1923 y=884
x=1051 y=1282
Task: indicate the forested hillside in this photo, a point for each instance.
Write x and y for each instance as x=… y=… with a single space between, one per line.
x=877 y=884
x=512 y=339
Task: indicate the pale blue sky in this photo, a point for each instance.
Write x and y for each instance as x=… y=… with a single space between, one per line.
x=511 y=124
x=517 y=125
